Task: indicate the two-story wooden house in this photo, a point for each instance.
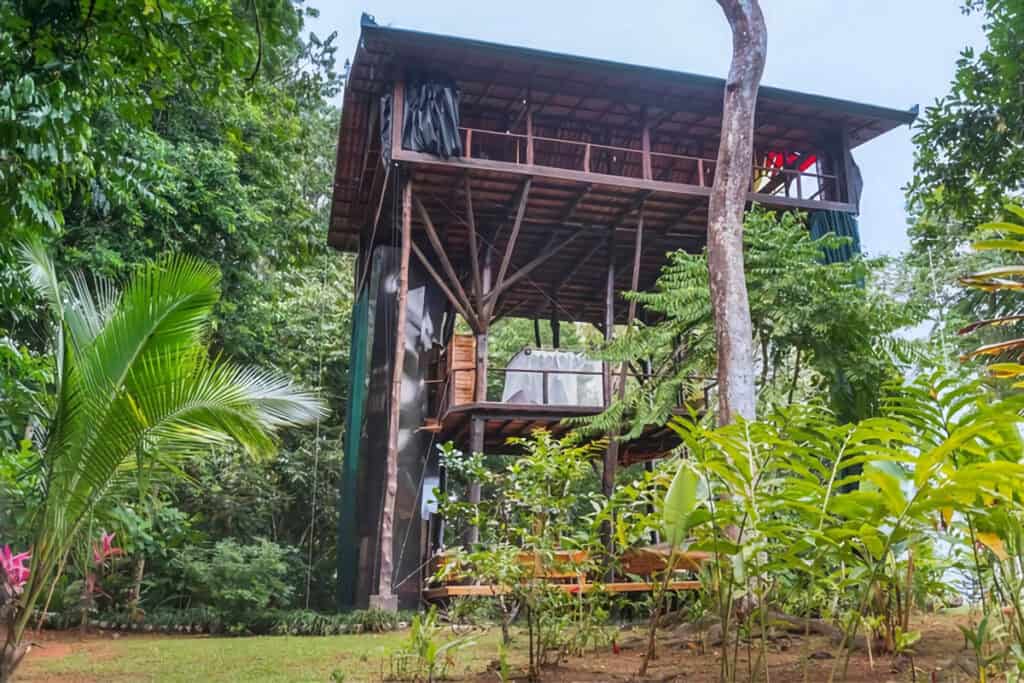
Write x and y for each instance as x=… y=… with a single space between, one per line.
x=478 y=181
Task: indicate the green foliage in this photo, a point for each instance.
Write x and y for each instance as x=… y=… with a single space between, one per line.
x=424 y=657
x=817 y=326
x=782 y=523
x=235 y=579
x=131 y=129
x=529 y=529
x=1001 y=285
x=969 y=152
x=133 y=376
x=680 y=502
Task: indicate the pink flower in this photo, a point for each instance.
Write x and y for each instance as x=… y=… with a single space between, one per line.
x=101 y=553
x=14 y=568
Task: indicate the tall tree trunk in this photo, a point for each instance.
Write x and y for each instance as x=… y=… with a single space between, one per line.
x=139 y=571
x=733 y=171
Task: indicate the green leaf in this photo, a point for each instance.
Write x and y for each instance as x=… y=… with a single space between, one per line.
x=680 y=502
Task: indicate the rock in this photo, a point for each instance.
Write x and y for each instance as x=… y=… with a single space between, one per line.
x=820 y=654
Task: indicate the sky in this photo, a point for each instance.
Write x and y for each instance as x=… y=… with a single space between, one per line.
x=895 y=53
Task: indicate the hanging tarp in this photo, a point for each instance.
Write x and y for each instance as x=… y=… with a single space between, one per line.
x=541 y=383
x=385 y=127
x=430 y=123
x=856 y=182
x=838 y=223
x=358 y=381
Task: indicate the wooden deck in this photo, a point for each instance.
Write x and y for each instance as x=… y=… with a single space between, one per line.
x=505 y=420
x=490 y=590
x=566 y=576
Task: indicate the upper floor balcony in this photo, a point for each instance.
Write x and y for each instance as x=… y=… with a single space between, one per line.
x=573 y=123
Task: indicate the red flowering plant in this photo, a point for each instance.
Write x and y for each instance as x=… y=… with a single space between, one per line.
x=102 y=553
x=15 y=573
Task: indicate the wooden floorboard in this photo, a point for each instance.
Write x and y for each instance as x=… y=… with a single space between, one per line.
x=490 y=590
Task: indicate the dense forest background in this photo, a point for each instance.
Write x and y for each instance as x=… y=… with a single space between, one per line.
x=131 y=129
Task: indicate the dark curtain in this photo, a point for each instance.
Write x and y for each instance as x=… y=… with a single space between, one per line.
x=431 y=120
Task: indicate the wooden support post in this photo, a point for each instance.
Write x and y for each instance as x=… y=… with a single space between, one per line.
x=385 y=598
x=849 y=173
x=645 y=143
x=397 y=117
x=638 y=248
x=556 y=328
x=480 y=389
x=446 y=264
x=529 y=133
x=536 y=333
x=476 y=445
x=439 y=281
x=553 y=247
x=611 y=455
x=524 y=196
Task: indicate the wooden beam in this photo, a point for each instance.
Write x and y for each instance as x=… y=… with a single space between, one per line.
x=529 y=133
x=463 y=311
x=849 y=174
x=524 y=195
x=598 y=246
x=645 y=146
x=385 y=598
x=575 y=204
x=494 y=590
x=611 y=455
x=635 y=281
x=442 y=255
x=397 y=118
x=553 y=247
x=474 y=249
x=480 y=358
x=583 y=177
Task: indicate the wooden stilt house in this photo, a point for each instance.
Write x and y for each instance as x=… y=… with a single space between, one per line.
x=478 y=181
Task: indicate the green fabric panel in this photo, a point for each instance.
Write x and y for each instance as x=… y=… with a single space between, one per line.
x=841 y=224
x=348 y=547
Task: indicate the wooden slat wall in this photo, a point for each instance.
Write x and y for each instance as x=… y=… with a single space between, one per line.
x=461 y=368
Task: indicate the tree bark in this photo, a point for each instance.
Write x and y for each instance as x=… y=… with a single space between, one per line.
x=384 y=598
x=138 y=573
x=733 y=172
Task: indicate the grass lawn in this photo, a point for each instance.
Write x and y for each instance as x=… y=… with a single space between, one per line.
x=66 y=657
x=366 y=658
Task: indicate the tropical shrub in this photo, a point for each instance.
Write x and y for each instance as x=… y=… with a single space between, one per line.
x=534 y=523
x=425 y=657
x=1001 y=285
x=235 y=579
x=784 y=521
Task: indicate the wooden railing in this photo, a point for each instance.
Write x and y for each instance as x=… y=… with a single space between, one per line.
x=499 y=376
x=591 y=157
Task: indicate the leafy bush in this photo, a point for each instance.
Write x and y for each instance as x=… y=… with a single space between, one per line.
x=253 y=622
x=236 y=579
